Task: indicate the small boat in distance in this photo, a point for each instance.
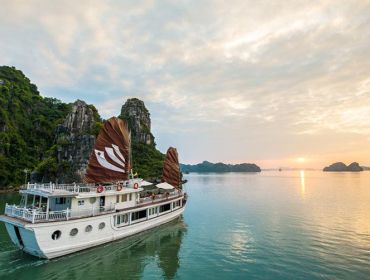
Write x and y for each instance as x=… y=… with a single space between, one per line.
x=53 y=220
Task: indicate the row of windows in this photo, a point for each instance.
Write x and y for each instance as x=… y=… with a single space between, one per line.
x=121 y=220
x=57 y=234
x=124 y=197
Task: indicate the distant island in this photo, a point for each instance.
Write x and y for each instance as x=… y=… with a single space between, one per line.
x=341 y=167
x=220 y=167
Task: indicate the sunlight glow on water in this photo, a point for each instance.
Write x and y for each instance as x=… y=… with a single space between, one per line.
x=273 y=225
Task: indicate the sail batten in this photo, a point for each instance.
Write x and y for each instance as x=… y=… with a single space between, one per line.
x=109 y=160
x=171 y=168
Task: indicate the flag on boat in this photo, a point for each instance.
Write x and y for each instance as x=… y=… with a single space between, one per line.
x=110 y=158
x=171 y=168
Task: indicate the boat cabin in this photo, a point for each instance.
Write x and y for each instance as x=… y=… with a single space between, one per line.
x=51 y=202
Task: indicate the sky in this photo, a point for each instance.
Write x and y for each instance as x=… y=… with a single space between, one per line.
x=277 y=83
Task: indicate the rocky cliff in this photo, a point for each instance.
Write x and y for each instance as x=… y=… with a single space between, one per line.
x=67 y=159
x=147 y=160
x=341 y=167
x=53 y=140
x=75 y=139
x=138 y=118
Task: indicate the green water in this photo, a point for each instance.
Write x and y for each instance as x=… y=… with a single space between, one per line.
x=273 y=225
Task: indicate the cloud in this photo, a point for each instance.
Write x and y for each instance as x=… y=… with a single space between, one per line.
x=262 y=74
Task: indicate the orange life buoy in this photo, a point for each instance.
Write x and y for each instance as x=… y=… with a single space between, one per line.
x=100 y=189
x=119 y=187
x=136 y=185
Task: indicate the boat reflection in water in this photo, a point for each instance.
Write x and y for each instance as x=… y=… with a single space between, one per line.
x=123 y=259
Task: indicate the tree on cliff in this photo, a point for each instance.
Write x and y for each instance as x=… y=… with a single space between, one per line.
x=27 y=124
x=54 y=139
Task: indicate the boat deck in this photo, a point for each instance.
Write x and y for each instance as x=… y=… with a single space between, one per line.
x=26 y=216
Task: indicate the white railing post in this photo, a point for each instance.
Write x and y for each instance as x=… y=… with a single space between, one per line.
x=74 y=187
x=33 y=215
x=93 y=212
x=67 y=214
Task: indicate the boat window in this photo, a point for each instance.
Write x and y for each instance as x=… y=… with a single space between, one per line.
x=153 y=211
x=117 y=198
x=60 y=200
x=88 y=228
x=81 y=202
x=56 y=235
x=101 y=225
x=164 y=208
x=92 y=200
x=121 y=219
x=123 y=197
x=74 y=232
x=130 y=197
x=138 y=215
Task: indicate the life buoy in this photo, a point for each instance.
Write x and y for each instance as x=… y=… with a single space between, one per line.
x=100 y=189
x=119 y=187
x=136 y=185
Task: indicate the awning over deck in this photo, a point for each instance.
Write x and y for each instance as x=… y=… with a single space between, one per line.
x=44 y=193
x=165 y=186
x=145 y=183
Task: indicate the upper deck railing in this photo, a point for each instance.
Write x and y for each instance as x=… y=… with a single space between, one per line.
x=51 y=187
x=36 y=215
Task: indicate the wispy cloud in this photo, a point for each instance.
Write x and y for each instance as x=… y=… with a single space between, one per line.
x=226 y=81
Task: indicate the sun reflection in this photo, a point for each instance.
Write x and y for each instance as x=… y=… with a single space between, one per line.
x=303 y=186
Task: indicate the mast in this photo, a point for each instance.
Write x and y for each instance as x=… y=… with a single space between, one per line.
x=130 y=154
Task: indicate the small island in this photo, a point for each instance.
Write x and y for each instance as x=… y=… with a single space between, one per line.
x=341 y=167
x=219 y=167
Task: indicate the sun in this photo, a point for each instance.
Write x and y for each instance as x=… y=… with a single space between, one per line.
x=301 y=160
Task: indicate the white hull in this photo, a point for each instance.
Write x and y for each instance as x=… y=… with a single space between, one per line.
x=37 y=241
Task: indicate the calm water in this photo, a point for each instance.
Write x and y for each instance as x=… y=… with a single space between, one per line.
x=273 y=225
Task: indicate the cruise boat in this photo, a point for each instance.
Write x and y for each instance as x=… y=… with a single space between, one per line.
x=53 y=220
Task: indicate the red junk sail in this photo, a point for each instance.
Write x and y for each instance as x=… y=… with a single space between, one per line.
x=109 y=160
x=171 y=168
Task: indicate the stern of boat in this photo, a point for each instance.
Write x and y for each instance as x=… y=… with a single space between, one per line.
x=22 y=237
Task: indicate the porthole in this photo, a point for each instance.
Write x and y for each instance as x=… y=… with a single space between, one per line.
x=74 y=232
x=101 y=225
x=56 y=235
x=88 y=228
x=92 y=200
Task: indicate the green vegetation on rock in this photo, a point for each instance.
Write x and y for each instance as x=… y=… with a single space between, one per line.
x=207 y=166
x=27 y=125
x=147 y=161
x=39 y=134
